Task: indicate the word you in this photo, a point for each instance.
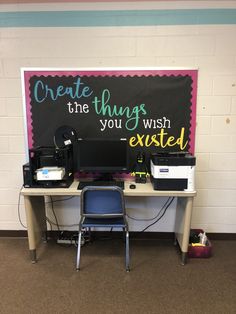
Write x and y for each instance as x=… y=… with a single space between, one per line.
x=76 y=90
x=104 y=108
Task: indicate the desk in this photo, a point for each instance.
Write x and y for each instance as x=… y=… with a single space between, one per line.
x=36 y=216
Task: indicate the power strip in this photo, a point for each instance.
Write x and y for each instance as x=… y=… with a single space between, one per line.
x=66 y=241
x=70 y=241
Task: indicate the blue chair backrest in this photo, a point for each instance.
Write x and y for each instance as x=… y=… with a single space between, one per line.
x=102 y=202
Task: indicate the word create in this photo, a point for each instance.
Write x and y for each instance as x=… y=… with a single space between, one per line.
x=43 y=91
x=159 y=140
x=77 y=108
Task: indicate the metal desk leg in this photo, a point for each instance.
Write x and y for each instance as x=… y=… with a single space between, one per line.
x=36 y=222
x=33 y=256
x=184 y=256
x=183 y=225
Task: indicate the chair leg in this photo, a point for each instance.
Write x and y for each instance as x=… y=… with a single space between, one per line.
x=90 y=235
x=127 y=251
x=124 y=234
x=78 y=250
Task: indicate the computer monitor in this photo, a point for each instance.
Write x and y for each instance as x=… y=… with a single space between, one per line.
x=102 y=156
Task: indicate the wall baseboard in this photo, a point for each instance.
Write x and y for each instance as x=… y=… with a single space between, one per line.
x=133 y=234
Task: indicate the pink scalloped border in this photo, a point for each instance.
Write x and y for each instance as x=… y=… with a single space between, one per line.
x=192 y=73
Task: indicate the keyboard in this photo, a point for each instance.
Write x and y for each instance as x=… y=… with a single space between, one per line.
x=83 y=184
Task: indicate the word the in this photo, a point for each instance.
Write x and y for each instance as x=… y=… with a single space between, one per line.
x=42 y=91
x=161 y=140
x=102 y=107
x=77 y=108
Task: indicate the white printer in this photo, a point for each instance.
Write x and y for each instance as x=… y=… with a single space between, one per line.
x=173 y=171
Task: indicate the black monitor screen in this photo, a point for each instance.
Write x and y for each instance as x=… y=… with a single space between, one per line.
x=102 y=155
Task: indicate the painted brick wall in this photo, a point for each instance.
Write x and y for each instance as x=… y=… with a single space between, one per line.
x=210 y=48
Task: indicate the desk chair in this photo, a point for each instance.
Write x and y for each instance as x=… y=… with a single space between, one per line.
x=103 y=207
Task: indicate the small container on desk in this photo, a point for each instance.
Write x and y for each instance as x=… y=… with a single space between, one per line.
x=200 y=251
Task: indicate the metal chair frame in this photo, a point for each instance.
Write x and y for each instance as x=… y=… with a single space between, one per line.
x=102 y=219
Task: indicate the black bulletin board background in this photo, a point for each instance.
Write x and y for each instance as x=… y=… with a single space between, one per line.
x=163 y=96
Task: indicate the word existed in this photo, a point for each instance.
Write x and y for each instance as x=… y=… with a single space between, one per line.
x=160 y=140
x=42 y=91
x=103 y=107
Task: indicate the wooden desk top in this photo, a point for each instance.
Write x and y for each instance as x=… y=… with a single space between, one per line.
x=141 y=190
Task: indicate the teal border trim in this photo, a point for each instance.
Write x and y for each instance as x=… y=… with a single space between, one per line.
x=117 y=18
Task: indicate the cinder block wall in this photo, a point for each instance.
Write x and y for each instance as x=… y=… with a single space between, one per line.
x=203 y=40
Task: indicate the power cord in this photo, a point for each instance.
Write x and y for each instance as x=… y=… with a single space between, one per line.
x=61 y=238
x=54 y=214
x=165 y=209
x=60 y=225
x=150 y=219
x=73 y=238
x=51 y=223
x=60 y=200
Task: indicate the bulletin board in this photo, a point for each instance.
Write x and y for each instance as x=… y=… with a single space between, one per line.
x=155 y=109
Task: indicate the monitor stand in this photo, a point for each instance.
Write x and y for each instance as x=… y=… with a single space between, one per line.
x=104 y=177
